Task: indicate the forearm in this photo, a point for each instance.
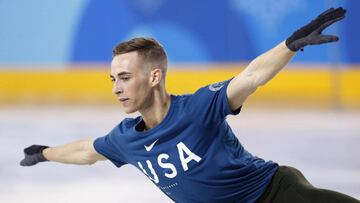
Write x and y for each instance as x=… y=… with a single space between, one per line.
x=72 y=153
x=266 y=66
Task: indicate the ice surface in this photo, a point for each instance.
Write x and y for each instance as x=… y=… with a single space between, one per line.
x=323 y=144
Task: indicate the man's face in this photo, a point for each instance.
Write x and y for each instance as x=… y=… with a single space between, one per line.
x=131 y=80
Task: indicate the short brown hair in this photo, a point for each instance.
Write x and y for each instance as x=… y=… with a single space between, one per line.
x=148 y=48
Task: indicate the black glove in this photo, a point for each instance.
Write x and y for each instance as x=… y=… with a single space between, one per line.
x=311 y=33
x=33 y=155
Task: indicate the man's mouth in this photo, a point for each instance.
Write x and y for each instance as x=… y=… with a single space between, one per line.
x=123 y=99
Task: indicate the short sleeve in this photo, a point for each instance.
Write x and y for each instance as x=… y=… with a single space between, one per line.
x=210 y=104
x=106 y=146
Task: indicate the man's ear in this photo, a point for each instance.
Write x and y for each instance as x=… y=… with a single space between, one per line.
x=156 y=75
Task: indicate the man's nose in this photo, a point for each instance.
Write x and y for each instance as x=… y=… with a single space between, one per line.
x=117 y=89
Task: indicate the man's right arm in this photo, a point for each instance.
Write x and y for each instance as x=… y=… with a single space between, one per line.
x=80 y=152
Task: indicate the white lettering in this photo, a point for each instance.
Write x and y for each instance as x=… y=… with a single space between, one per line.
x=167 y=165
x=191 y=156
x=156 y=178
x=182 y=150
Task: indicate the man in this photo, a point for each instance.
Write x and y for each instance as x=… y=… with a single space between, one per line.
x=183 y=143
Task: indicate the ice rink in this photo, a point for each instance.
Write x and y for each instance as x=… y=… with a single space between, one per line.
x=323 y=144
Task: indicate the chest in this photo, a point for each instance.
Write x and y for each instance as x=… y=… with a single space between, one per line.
x=174 y=152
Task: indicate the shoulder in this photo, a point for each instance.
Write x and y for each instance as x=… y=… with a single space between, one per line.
x=126 y=125
x=204 y=93
x=181 y=101
x=182 y=98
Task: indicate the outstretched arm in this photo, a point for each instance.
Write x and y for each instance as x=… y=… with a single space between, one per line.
x=257 y=73
x=80 y=152
x=266 y=66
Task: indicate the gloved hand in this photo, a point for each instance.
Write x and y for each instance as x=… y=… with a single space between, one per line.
x=33 y=155
x=311 y=33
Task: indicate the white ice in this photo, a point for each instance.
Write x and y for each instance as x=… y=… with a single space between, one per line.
x=323 y=144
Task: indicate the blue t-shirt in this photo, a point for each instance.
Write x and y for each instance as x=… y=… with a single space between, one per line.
x=192 y=155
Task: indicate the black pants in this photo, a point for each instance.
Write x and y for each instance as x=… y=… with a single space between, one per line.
x=289 y=185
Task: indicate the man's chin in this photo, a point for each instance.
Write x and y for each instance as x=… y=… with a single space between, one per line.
x=128 y=111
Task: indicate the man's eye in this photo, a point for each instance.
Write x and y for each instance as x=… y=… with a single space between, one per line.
x=125 y=78
x=112 y=80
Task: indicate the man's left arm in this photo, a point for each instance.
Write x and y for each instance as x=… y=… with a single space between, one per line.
x=266 y=66
x=257 y=73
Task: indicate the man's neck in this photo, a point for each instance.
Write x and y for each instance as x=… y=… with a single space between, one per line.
x=155 y=113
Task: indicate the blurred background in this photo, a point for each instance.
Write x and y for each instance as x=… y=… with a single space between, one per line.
x=55 y=87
